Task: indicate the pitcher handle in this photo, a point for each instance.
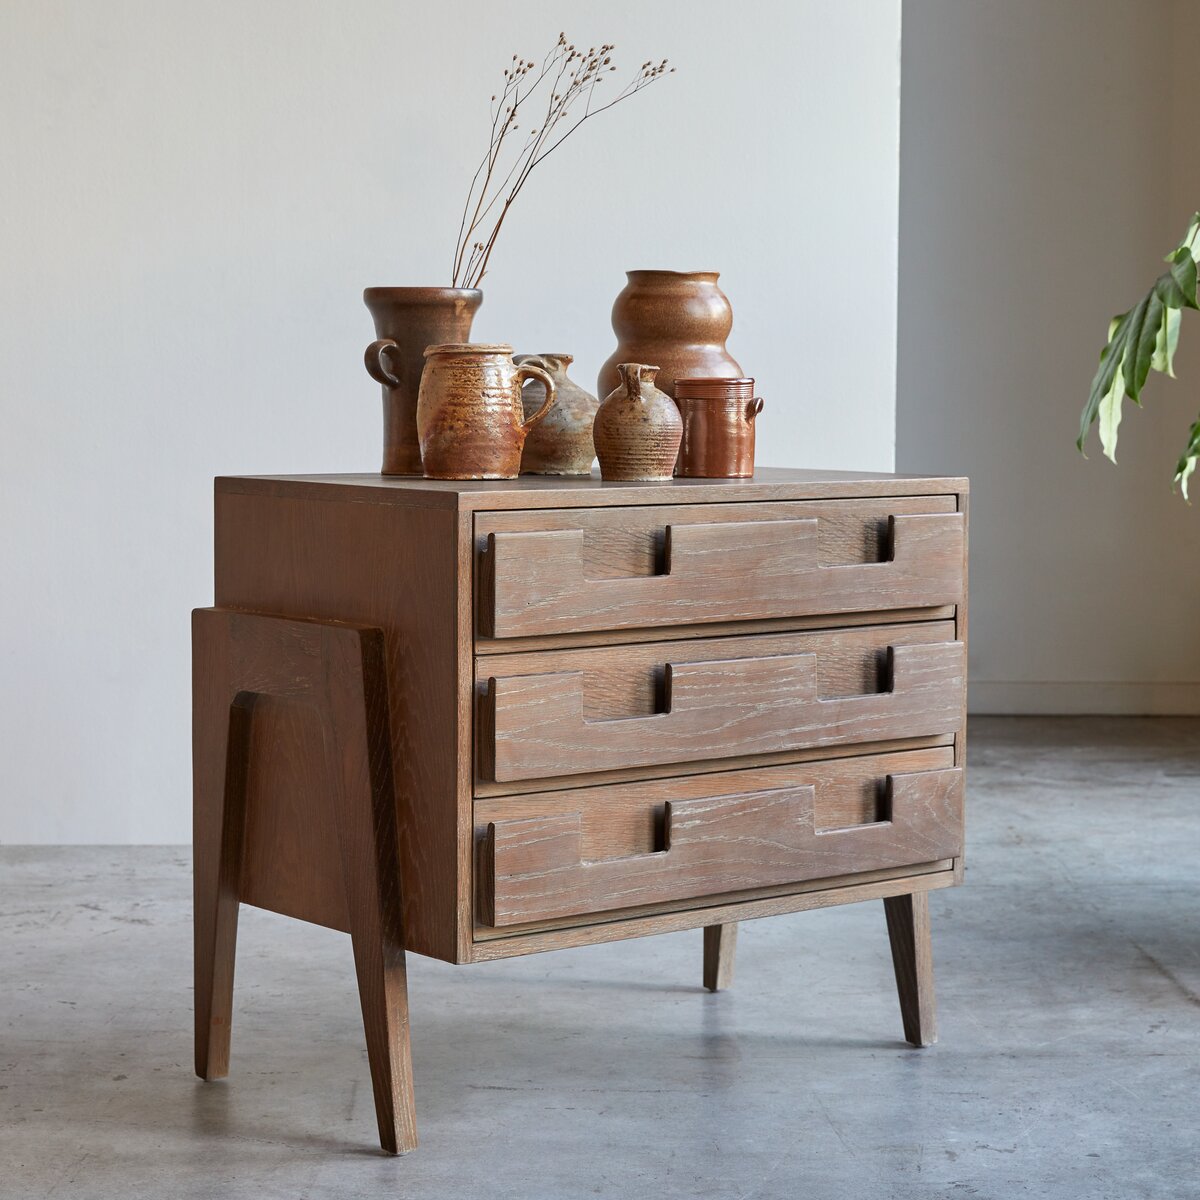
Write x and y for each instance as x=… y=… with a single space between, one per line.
x=528 y=371
x=376 y=367
x=753 y=408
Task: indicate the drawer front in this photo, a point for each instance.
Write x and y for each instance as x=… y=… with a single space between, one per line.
x=551 y=858
x=573 y=572
x=717 y=698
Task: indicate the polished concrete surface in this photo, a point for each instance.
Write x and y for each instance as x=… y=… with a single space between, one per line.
x=1068 y=1066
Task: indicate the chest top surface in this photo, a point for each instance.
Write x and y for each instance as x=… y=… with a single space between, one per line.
x=544 y=491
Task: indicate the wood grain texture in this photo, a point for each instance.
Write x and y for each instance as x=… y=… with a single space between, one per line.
x=533 y=869
x=536 y=491
x=626 y=819
x=630 y=542
x=618 y=926
x=220 y=757
x=912 y=957
x=288 y=865
x=367 y=839
x=340 y=670
x=398 y=569
x=717 y=572
x=401 y=554
x=720 y=945
x=497 y=647
x=536 y=725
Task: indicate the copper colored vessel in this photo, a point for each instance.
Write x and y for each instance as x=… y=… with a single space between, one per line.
x=407 y=319
x=678 y=319
x=718 y=427
x=470 y=418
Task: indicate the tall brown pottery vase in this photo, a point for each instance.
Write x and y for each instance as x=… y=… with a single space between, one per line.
x=638 y=428
x=678 y=319
x=562 y=443
x=407 y=319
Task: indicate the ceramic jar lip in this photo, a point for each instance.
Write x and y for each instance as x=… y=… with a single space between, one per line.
x=469 y=348
x=644 y=272
x=422 y=295
x=565 y=359
x=713 y=388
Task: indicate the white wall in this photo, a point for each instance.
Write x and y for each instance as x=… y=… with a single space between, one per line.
x=1047 y=163
x=193 y=197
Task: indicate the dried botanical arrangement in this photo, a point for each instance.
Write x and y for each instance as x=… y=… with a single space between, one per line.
x=559 y=96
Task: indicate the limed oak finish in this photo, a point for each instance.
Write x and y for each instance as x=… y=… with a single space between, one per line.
x=481 y=719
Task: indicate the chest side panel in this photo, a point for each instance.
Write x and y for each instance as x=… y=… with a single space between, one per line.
x=398 y=568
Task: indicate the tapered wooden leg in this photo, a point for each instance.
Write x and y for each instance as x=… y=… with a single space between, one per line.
x=220 y=755
x=912 y=956
x=340 y=669
x=720 y=942
x=360 y=748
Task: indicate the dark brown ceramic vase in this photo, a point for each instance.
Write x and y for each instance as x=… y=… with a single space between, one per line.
x=637 y=427
x=678 y=319
x=470 y=417
x=718 y=427
x=407 y=319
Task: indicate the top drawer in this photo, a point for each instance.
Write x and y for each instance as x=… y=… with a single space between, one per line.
x=574 y=571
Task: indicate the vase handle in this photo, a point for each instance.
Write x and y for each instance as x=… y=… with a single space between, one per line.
x=376 y=367
x=528 y=371
x=753 y=408
x=533 y=360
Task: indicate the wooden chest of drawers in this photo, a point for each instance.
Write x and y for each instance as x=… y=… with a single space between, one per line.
x=608 y=709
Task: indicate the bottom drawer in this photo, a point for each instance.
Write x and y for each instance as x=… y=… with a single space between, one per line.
x=674 y=842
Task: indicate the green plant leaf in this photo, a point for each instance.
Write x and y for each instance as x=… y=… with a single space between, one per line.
x=1191 y=240
x=1177 y=287
x=1110 y=414
x=1186 y=465
x=1168 y=339
x=1142 y=340
x=1110 y=359
x=1144 y=321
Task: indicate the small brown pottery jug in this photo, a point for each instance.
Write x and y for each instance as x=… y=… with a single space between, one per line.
x=407 y=319
x=562 y=443
x=470 y=419
x=678 y=319
x=718 y=427
x=637 y=428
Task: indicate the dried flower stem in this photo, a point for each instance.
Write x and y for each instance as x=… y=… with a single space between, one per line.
x=575 y=76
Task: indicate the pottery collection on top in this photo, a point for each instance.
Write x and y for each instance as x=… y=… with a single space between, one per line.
x=407 y=319
x=458 y=410
x=677 y=319
x=471 y=421
x=562 y=443
x=637 y=428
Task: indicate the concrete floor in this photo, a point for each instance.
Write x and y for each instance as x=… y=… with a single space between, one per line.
x=1069 y=1061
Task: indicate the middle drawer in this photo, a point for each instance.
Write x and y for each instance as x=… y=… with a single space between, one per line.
x=564 y=713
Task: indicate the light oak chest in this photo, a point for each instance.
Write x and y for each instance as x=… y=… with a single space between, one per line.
x=475 y=720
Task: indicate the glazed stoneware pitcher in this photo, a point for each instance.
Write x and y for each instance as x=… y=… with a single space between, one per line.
x=470 y=419
x=637 y=428
x=562 y=443
x=407 y=319
x=678 y=319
